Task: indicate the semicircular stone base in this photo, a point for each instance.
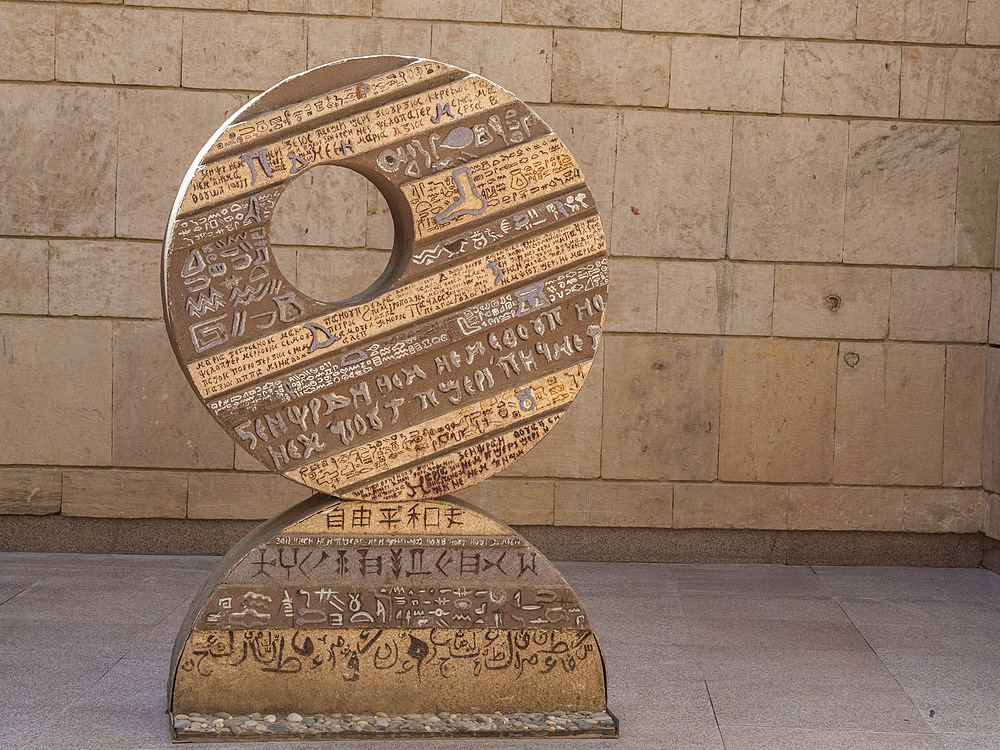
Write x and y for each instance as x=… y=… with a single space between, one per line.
x=345 y=618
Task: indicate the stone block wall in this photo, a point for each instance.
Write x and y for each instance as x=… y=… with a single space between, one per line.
x=801 y=201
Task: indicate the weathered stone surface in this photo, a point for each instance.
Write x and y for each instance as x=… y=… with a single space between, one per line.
x=991 y=426
x=950 y=83
x=27 y=37
x=994 y=334
x=316 y=7
x=573 y=447
x=976 y=217
x=446 y=10
x=581 y=74
x=214 y=494
x=730 y=506
x=983 y=23
x=777 y=411
x=661 y=407
x=941 y=511
x=831 y=302
x=591 y=134
x=241 y=51
x=158 y=420
x=841 y=79
x=588 y=13
x=381 y=231
x=104 y=278
x=788 y=189
x=331 y=275
x=709 y=17
x=303 y=214
x=935 y=21
x=57 y=373
x=901 y=186
x=714 y=298
x=520 y=60
x=672 y=185
x=202 y=4
x=24 y=276
x=964 y=398
x=827 y=19
x=632 y=295
x=890 y=414
x=939 y=305
x=728 y=74
x=157 y=151
x=332 y=39
x=112 y=45
x=991 y=516
x=30 y=491
x=124 y=494
x=618 y=504
x=845 y=508
x=515 y=501
x=49 y=127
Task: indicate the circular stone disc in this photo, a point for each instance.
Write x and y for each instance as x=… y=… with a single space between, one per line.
x=469 y=347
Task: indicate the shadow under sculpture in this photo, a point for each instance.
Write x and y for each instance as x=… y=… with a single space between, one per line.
x=382 y=606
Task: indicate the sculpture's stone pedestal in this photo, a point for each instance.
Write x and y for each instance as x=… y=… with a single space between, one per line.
x=388 y=614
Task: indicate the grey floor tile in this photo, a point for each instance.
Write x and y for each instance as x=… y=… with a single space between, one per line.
x=947 y=667
x=971 y=741
x=738 y=606
x=783 y=667
x=753 y=738
x=958 y=709
x=776 y=634
x=941 y=614
x=30 y=680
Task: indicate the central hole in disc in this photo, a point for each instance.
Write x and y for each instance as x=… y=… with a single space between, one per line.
x=331 y=233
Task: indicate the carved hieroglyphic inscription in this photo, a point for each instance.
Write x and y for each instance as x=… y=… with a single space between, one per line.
x=464 y=356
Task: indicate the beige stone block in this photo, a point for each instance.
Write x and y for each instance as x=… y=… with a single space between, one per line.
x=994 y=334
x=983 y=23
x=890 y=414
x=381 y=231
x=24 y=276
x=573 y=447
x=239 y=51
x=116 y=493
x=613 y=504
x=706 y=17
x=607 y=67
x=587 y=13
x=741 y=75
x=661 y=407
x=802 y=19
x=934 y=21
x=715 y=298
x=991 y=425
x=57 y=374
x=523 y=502
x=445 y=10
x=591 y=134
x=30 y=491
x=303 y=214
x=845 y=508
x=105 y=278
x=730 y=506
x=991 y=516
x=777 y=410
x=976 y=213
x=632 y=295
x=333 y=275
x=27 y=38
x=937 y=511
x=243 y=461
x=332 y=39
x=157 y=151
x=964 y=399
x=316 y=7
x=200 y=4
x=672 y=185
x=58 y=153
x=901 y=186
x=216 y=494
x=822 y=78
x=939 y=305
x=517 y=58
x=950 y=83
x=158 y=419
x=831 y=302
x=130 y=46
x=788 y=189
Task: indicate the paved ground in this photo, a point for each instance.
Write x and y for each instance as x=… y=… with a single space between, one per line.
x=700 y=657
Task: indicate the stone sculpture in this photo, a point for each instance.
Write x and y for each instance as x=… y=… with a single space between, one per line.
x=382 y=605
